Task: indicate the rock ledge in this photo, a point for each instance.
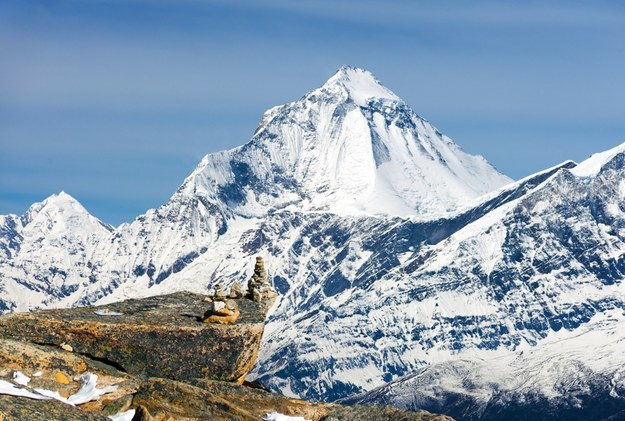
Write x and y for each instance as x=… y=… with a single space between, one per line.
x=156 y=356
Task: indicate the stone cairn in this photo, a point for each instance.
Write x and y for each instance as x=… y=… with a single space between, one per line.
x=258 y=287
x=236 y=291
x=223 y=307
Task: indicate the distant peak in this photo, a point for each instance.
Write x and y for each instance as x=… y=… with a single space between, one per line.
x=360 y=84
x=59 y=203
x=593 y=165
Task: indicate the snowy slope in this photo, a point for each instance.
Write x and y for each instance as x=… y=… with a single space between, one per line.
x=571 y=375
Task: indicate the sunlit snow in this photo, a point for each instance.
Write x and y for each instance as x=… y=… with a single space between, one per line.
x=20 y=378
x=276 y=416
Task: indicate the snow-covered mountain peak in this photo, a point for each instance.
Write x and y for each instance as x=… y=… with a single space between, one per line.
x=60 y=213
x=56 y=203
x=350 y=146
x=361 y=85
x=593 y=165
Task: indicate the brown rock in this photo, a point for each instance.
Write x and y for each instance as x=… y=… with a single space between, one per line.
x=156 y=336
x=14 y=408
x=236 y=291
x=58 y=368
x=224 y=317
x=162 y=335
x=224 y=312
x=142 y=414
x=53 y=364
x=115 y=406
x=227 y=401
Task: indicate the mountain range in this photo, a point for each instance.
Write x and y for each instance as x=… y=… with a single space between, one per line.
x=410 y=272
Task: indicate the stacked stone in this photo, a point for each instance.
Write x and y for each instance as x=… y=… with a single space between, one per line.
x=219 y=294
x=221 y=309
x=258 y=286
x=236 y=291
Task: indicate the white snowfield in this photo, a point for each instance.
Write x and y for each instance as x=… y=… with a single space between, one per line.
x=276 y=416
x=394 y=252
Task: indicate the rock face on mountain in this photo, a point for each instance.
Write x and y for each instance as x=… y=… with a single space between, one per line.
x=93 y=362
x=566 y=377
x=538 y=330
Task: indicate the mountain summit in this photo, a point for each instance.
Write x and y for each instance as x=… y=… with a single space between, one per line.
x=360 y=85
x=350 y=146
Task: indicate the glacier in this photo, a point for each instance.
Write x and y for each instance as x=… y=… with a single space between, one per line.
x=409 y=271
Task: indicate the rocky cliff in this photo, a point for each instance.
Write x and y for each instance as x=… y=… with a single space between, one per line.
x=148 y=359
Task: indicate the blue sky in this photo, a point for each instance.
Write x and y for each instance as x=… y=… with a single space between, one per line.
x=116 y=101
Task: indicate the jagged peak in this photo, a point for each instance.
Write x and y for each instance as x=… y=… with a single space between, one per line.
x=334 y=147
x=61 y=197
x=360 y=85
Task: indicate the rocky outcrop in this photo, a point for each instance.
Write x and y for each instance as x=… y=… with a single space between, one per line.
x=153 y=356
x=223 y=312
x=212 y=400
x=155 y=336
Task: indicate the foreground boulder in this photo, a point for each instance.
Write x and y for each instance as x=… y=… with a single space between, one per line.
x=152 y=337
x=153 y=356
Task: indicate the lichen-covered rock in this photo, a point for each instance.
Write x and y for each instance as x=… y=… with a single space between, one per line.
x=14 y=408
x=156 y=336
x=218 y=401
x=45 y=366
x=56 y=370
